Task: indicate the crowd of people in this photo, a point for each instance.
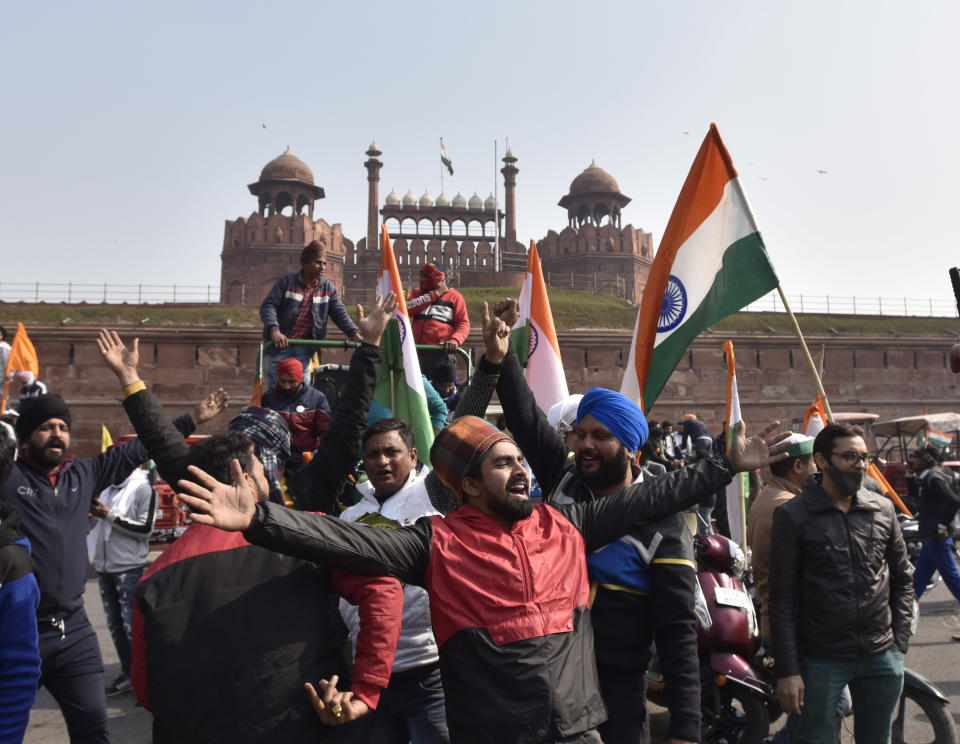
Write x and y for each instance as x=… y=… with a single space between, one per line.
x=509 y=585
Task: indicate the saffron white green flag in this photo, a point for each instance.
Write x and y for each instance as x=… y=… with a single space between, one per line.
x=535 y=339
x=710 y=264
x=399 y=383
x=815 y=419
x=445 y=158
x=739 y=487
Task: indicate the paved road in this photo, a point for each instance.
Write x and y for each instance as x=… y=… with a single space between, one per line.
x=932 y=653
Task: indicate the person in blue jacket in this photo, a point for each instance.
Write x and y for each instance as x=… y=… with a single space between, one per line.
x=19 y=597
x=53 y=493
x=298 y=306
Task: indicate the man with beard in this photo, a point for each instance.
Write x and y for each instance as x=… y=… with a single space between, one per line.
x=304 y=408
x=54 y=494
x=643 y=583
x=507 y=578
x=841 y=596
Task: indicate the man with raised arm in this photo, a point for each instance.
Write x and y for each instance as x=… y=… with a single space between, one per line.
x=227 y=635
x=507 y=578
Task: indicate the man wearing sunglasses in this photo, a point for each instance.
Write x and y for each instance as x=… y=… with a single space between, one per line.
x=841 y=596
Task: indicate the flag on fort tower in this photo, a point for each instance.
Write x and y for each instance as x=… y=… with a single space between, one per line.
x=23 y=357
x=739 y=488
x=399 y=383
x=445 y=158
x=535 y=339
x=815 y=419
x=711 y=263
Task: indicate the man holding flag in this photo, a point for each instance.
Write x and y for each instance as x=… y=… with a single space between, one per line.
x=643 y=585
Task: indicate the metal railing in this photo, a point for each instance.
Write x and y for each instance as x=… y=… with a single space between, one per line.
x=52 y=292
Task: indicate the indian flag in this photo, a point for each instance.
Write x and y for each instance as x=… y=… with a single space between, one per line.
x=710 y=264
x=939 y=438
x=535 y=339
x=739 y=487
x=445 y=158
x=400 y=384
x=815 y=419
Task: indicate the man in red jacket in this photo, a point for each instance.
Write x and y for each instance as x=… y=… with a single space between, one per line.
x=507 y=578
x=439 y=316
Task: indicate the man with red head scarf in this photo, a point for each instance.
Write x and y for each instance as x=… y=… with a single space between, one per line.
x=439 y=316
x=304 y=408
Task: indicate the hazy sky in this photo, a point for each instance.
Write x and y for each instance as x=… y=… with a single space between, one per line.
x=129 y=133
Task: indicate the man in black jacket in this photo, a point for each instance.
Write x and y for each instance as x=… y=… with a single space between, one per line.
x=938 y=511
x=643 y=584
x=841 y=596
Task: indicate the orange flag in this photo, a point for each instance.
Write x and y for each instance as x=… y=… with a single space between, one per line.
x=22 y=357
x=874 y=472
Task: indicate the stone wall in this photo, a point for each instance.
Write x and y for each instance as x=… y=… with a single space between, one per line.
x=890 y=377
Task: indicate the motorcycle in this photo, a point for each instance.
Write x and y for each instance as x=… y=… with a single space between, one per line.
x=735 y=699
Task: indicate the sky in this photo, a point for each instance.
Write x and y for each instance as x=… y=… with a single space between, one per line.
x=130 y=130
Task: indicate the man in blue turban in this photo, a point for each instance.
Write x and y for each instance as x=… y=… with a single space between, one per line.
x=644 y=583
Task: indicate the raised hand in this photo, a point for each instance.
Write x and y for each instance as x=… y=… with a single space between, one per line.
x=121 y=360
x=210 y=406
x=334 y=707
x=231 y=508
x=372 y=326
x=508 y=311
x=755 y=452
x=496 y=336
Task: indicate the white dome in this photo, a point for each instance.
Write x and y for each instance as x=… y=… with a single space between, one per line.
x=393 y=199
x=443 y=201
x=475 y=201
x=459 y=202
x=410 y=199
x=490 y=204
x=426 y=200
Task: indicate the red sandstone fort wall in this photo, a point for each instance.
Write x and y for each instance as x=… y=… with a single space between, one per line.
x=890 y=377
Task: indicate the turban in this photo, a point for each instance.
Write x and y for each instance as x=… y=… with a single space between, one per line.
x=291 y=368
x=563 y=415
x=618 y=413
x=271 y=441
x=460 y=447
x=34 y=411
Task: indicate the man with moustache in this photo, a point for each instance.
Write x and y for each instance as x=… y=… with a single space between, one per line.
x=507 y=578
x=644 y=583
x=298 y=306
x=54 y=493
x=841 y=596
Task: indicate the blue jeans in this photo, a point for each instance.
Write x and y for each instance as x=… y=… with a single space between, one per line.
x=785 y=734
x=875 y=685
x=411 y=709
x=117 y=592
x=274 y=356
x=936 y=555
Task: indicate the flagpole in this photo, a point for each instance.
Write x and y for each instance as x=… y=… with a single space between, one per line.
x=806 y=353
x=441 y=165
x=786 y=305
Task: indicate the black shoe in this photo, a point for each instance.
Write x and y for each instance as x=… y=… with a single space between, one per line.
x=120 y=685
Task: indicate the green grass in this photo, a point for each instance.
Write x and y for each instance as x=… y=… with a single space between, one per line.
x=571 y=310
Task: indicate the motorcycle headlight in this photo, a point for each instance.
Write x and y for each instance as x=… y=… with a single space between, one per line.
x=739 y=561
x=701 y=609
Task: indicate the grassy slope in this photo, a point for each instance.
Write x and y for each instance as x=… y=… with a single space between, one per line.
x=570 y=310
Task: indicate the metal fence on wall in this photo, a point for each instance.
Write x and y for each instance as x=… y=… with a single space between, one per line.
x=51 y=292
